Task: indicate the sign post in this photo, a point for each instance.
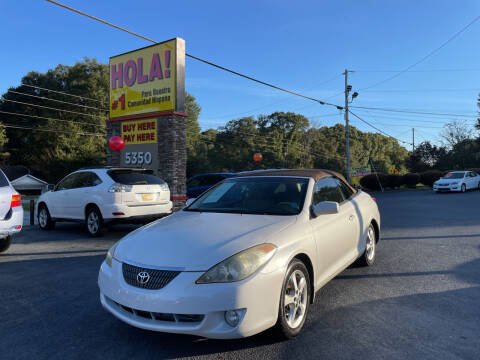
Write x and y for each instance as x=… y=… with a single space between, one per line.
x=147 y=109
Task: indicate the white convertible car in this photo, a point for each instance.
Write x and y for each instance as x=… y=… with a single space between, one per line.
x=246 y=256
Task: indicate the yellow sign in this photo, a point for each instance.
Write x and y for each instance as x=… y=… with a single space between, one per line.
x=144 y=81
x=139 y=131
x=395 y=171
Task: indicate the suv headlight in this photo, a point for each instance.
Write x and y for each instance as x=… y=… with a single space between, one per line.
x=239 y=266
x=110 y=254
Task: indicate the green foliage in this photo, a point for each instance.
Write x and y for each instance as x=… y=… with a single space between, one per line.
x=429 y=177
x=411 y=180
x=392 y=181
x=371 y=182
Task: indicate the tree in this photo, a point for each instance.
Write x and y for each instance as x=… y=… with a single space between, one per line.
x=455 y=132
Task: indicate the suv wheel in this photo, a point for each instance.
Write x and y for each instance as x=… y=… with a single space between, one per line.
x=5 y=243
x=44 y=219
x=94 y=222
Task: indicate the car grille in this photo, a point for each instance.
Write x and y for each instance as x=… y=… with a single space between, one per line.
x=156 y=316
x=158 y=278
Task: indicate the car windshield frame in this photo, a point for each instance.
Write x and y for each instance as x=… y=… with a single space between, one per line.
x=195 y=206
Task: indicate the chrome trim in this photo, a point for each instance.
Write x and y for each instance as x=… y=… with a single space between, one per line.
x=168 y=268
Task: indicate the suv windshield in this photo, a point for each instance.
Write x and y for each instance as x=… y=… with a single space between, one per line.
x=454 y=175
x=254 y=195
x=134 y=177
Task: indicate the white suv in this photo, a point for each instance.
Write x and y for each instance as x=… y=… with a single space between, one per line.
x=105 y=195
x=11 y=212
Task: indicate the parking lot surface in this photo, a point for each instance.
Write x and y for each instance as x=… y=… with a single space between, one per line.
x=419 y=301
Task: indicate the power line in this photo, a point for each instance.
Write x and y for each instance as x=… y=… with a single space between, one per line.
x=418 y=71
x=49 y=118
x=413 y=112
x=376 y=128
x=420 y=90
x=414 y=119
x=423 y=58
x=51 y=130
x=61 y=92
x=196 y=57
x=59 y=101
x=51 y=108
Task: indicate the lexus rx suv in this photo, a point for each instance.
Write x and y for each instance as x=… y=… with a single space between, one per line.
x=105 y=195
x=11 y=212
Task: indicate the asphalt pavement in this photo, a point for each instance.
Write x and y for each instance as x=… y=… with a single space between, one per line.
x=419 y=301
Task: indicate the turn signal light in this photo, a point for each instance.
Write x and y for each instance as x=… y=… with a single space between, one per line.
x=16 y=201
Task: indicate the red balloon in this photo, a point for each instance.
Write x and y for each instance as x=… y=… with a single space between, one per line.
x=116 y=143
x=257 y=157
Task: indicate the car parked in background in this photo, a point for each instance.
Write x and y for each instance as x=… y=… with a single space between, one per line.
x=247 y=255
x=11 y=212
x=200 y=183
x=458 y=181
x=99 y=196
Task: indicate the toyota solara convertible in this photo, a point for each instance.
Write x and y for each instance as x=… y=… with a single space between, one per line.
x=247 y=255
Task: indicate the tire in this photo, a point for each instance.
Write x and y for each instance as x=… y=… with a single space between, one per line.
x=44 y=219
x=5 y=243
x=464 y=188
x=370 y=253
x=94 y=222
x=291 y=320
x=478 y=187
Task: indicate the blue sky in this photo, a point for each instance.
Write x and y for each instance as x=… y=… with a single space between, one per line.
x=303 y=46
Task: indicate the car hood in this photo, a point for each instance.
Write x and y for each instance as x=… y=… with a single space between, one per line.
x=448 y=181
x=195 y=241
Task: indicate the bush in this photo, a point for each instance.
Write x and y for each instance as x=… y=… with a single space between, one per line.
x=411 y=180
x=429 y=177
x=370 y=181
x=392 y=181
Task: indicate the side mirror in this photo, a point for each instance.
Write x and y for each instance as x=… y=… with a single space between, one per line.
x=50 y=187
x=325 y=208
x=189 y=201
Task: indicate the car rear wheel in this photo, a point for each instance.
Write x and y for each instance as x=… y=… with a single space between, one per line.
x=294 y=301
x=94 y=222
x=464 y=188
x=370 y=253
x=5 y=243
x=44 y=219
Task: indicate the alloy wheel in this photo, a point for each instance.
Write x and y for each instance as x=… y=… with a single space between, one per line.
x=371 y=244
x=93 y=222
x=43 y=217
x=296 y=297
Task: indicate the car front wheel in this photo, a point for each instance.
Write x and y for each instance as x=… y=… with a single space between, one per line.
x=44 y=219
x=368 y=256
x=94 y=221
x=5 y=243
x=294 y=301
x=464 y=188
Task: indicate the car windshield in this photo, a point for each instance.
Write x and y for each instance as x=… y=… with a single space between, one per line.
x=254 y=195
x=134 y=177
x=454 y=175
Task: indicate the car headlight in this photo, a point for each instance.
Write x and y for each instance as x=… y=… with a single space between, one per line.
x=455 y=183
x=239 y=266
x=110 y=254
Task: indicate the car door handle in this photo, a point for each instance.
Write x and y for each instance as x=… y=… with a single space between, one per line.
x=351 y=217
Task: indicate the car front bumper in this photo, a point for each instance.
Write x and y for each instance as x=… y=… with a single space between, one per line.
x=12 y=223
x=447 y=188
x=256 y=298
x=136 y=212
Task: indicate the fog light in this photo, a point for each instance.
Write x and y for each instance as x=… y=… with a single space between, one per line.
x=232 y=317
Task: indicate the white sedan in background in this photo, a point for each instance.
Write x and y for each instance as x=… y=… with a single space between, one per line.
x=246 y=256
x=458 y=181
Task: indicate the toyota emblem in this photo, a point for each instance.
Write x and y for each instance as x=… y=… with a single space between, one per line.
x=143 y=277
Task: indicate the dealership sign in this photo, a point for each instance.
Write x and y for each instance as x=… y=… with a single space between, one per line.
x=148 y=81
x=361 y=171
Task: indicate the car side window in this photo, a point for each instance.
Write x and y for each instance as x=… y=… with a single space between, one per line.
x=94 y=180
x=196 y=181
x=67 y=183
x=346 y=191
x=327 y=189
x=212 y=179
x=82 y=180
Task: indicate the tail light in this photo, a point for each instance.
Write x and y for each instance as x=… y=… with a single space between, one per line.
x=374 y=199
x=16 y=201
x=120 y=188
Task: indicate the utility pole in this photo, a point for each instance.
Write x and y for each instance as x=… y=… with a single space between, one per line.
x=413 y=139
x=347 y=127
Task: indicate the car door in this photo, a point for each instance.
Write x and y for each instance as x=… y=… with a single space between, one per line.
x=58 y=200
x=336 y=235
x=472 y=183
x=79 y=195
